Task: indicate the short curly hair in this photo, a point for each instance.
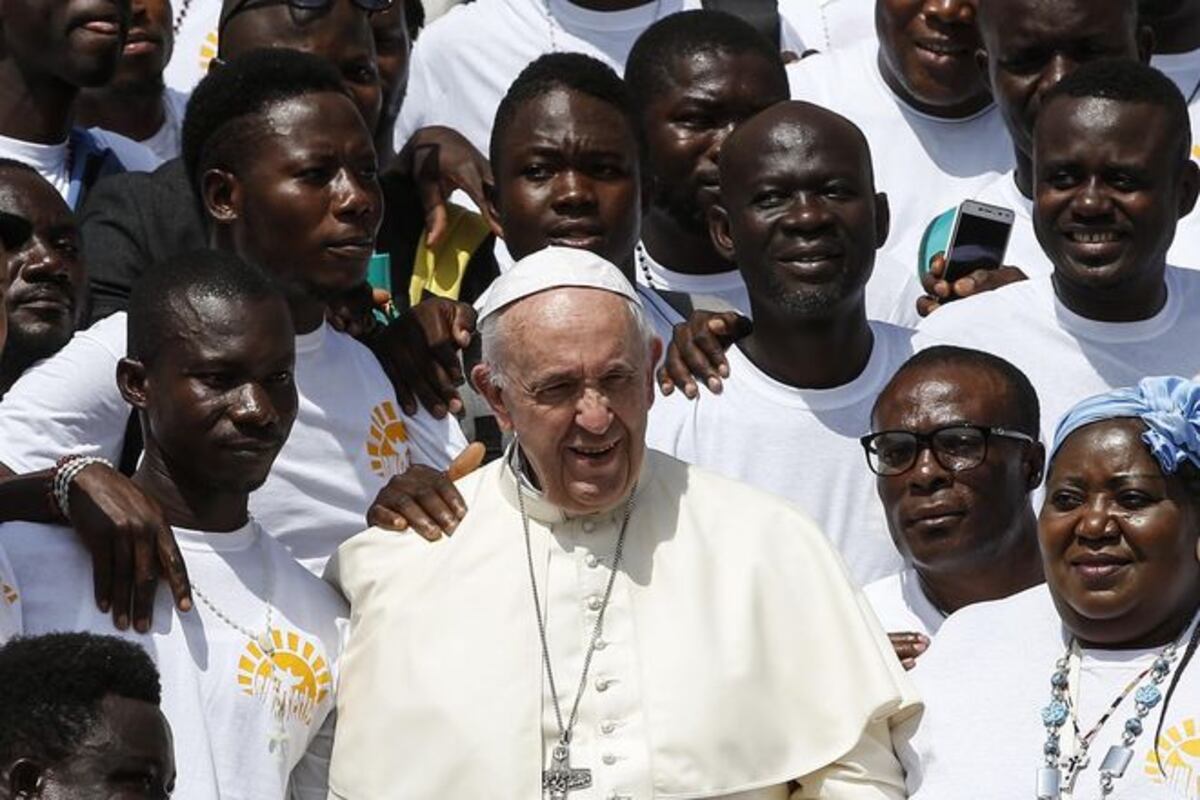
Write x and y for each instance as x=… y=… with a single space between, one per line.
x=51 y=688
x=574 y=72
x=1124 y=80
x=216 y=124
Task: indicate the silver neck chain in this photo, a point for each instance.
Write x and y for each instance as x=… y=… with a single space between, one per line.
x=263 y=637
x=564 y=731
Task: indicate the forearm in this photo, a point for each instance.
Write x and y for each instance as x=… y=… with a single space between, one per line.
x=26 y=498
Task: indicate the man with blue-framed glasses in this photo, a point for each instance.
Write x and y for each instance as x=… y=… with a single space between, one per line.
x=954 y=448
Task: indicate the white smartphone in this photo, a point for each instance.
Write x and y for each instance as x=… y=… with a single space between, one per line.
x=979 y=238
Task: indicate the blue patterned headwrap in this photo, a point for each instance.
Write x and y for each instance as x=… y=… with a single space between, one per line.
x=1168 y=406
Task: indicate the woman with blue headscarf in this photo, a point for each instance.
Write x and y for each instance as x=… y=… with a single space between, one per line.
x=1081 y=688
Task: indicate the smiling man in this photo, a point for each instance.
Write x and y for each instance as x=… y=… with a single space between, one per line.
x=48 y=52
x=46 y=277
x=923 y=103
x=800 y=215
x=1112 y=175
x=678 y=594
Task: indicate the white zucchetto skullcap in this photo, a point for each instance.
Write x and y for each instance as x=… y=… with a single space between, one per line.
x=555 y=268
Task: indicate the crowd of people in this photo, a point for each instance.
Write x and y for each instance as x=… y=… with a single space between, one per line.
x=575 y=399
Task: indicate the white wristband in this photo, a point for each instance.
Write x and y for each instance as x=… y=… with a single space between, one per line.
x=65 y=474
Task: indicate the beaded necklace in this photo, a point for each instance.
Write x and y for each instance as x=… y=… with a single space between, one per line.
x=1061 y=769
x=265 y=641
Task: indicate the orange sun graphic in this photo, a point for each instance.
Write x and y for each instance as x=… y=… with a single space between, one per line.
x=1179 y=750
x=208 y=51
x=388 y=442
x=301 y=673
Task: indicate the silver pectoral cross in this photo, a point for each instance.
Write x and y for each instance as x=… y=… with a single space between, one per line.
x=560 y=780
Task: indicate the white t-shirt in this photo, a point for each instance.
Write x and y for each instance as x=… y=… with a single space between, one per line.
x=54 y=162
x=1065 y=356
x=10 y=601
x=463 y=63
x=166 y=142
x=891 y=294
x=830 y=25
x=219 y=693
x=902 y=606
x=985 y=681
x=195 y=43
x=801 y=444
x=924 y=163
x=349 y=438
x=727 y=288
x=1184 y=71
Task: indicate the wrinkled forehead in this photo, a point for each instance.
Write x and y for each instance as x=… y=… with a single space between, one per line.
x=1102 y=132
x=28 y=195
x=1023 y=24
x=568 y=325
x=797 y=146
x=332 y=33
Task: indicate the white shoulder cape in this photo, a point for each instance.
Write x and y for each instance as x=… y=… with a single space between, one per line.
x=762 y=662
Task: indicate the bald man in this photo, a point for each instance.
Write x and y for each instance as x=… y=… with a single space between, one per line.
x=800 y=216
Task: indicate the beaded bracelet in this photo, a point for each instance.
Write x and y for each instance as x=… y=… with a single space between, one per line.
x=64 y=473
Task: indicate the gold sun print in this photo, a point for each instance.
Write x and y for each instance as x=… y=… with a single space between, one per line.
x=208 y=51
x=9 y=594
x=300 y=679
x=387 y=444
x=1179 y=750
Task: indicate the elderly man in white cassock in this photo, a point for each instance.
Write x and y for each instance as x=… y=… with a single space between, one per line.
x=606 y=622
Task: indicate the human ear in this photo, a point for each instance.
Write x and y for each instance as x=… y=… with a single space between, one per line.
x=654 y=354
x=131 y=381
x=221 y=193
x=1035 y=462
x=981 y=62
x=24 y=778
x=1189 y=186
x=883 y=219
x=1145 y=43
x=481 y=377
x=490 y=198
x=718 y=231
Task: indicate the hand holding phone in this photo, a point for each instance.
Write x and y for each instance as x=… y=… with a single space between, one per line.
x=979 y=239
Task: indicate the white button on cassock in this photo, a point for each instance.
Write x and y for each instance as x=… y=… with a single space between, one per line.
x=608 y=726
x=609 y=759
x=588 y=526
x=595 y=602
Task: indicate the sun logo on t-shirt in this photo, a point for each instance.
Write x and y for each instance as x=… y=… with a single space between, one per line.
x=208 y=51
x=9 y=594
x=1179 y=750
x=388 y=442
x=299 y=680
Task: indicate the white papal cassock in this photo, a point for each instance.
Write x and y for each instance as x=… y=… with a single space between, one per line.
x=736 y=656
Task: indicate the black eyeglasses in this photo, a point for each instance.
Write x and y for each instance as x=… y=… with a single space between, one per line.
x=303 y=5
x=956 y=447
